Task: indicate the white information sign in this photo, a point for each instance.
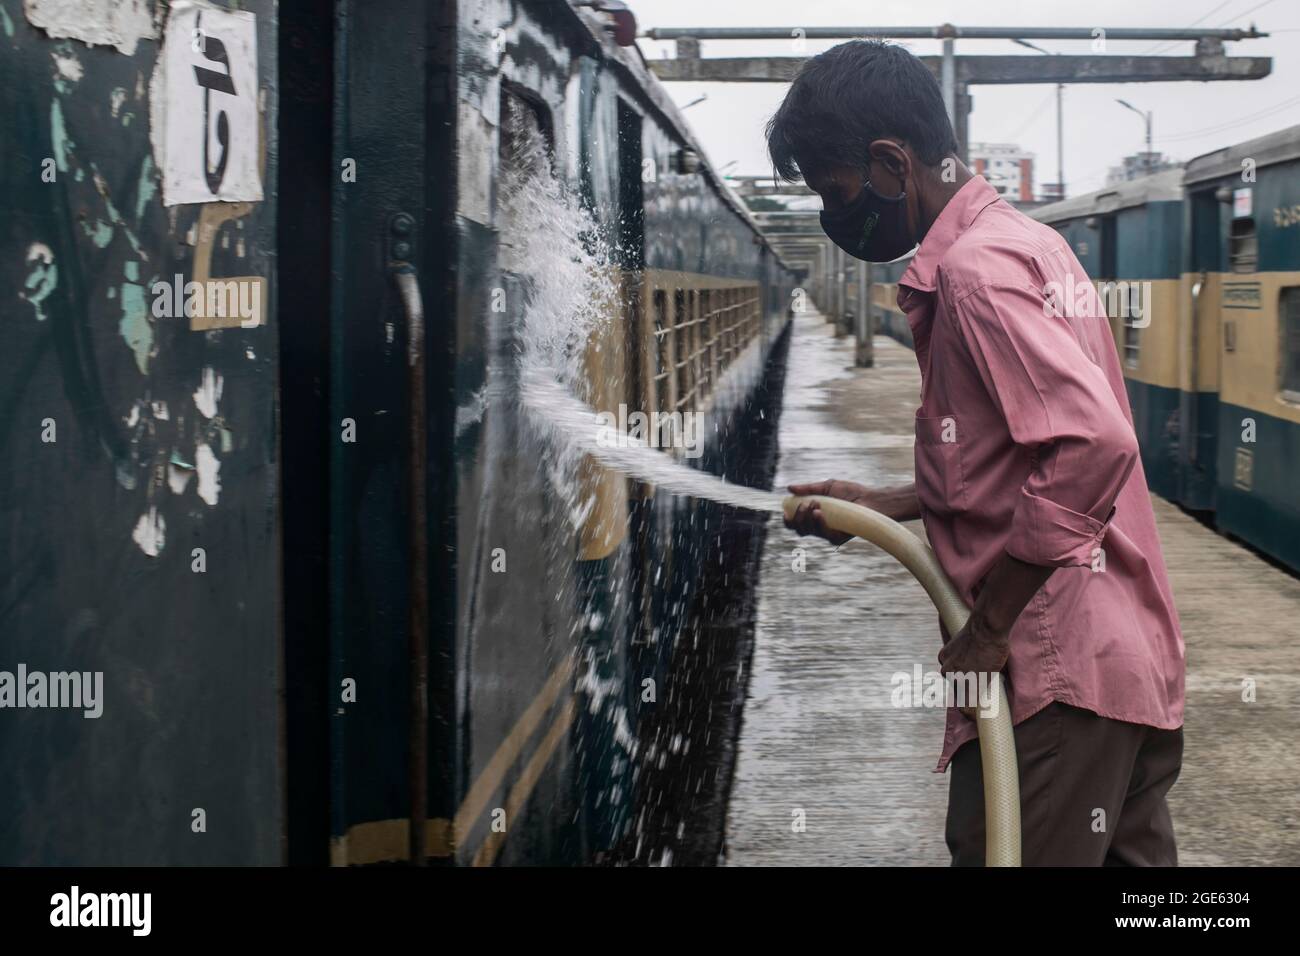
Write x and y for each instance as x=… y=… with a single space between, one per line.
x=1241 y=203
x=209 y=106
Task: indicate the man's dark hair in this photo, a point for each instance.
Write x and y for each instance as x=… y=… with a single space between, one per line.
x=850 y=95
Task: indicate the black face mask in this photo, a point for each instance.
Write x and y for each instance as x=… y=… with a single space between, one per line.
x=872 y=227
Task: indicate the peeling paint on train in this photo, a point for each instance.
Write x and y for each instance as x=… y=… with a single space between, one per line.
x=100 y=435
x=117 y=23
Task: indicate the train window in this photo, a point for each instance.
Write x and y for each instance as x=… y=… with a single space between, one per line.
x=1125 y=302
x=1243 y=245
x=663 y=351
x=696 y=372
x=681 y=347
x=706 y=338
x=526 y=126
x=1132 y=343
x=724 y=331
x=1289 y=316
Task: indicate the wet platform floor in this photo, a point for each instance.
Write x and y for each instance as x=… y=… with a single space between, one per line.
x=829 y=773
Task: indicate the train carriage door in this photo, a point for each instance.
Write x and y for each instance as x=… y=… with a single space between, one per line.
x=393 y=299
x=1205 y=339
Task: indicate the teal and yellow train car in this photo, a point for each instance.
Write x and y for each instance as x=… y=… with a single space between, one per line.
x=1205 y=258
x=1242 y=309
x=1129 y=239
x=1198 y=269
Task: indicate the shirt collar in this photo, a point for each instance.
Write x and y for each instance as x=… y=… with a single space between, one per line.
x=956 y=217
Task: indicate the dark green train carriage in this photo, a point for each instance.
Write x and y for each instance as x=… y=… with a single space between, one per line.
x=296 y=612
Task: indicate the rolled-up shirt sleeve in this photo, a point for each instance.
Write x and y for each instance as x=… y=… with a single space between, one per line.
x=1059 y=406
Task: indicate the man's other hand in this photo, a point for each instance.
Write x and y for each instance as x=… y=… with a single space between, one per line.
x=808 y=518
x=977 y=649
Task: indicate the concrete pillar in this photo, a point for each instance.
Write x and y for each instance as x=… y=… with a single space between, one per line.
x=847 y=274
x=837 y=278
x=827 y=303
x=864 y=354
x=848 y=282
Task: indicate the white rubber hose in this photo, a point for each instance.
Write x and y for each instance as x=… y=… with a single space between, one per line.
x=997 y=743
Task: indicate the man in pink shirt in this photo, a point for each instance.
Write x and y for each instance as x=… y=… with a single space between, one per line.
x=1028 y=479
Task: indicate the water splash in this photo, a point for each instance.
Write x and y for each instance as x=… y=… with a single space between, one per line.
x=567 y=275
x=554 y=249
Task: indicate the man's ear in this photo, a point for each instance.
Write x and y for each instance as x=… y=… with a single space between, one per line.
x=893 y=157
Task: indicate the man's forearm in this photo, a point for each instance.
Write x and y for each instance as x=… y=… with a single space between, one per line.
x=899 y=502
x=1008 y=588
x=984 y=644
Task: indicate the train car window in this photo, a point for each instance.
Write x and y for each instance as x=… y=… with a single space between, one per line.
x=706 y=320
x=734 y=323
x=1243 y=245
x=697 y=373
x=663 y=353
x=526 y=123
x=681 y=348
x=1132 y=341
x=1289 y=316
x=724 y=328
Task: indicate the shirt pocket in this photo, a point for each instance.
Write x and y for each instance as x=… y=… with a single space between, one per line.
x=940 y=476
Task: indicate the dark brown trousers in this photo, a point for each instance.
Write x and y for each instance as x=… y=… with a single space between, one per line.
x=1092 y=792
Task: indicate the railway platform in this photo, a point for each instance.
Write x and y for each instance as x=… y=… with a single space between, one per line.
x=830 y=772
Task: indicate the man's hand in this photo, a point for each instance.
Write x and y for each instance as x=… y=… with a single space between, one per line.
x=983 y=645
x=977 y=649
x=897 y=503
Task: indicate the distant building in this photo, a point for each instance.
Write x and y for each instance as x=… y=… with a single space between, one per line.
x=1137 y=166
x=1007 y=167
x=1051 y=192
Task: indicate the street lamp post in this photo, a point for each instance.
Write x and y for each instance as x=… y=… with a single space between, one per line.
x=1060 y=124
x=1146 y=118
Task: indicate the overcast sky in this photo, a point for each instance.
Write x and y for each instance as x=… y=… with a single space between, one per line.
x=1189 y=118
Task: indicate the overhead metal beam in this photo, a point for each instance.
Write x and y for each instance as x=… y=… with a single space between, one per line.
x=948 y=30
x=988 y=70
